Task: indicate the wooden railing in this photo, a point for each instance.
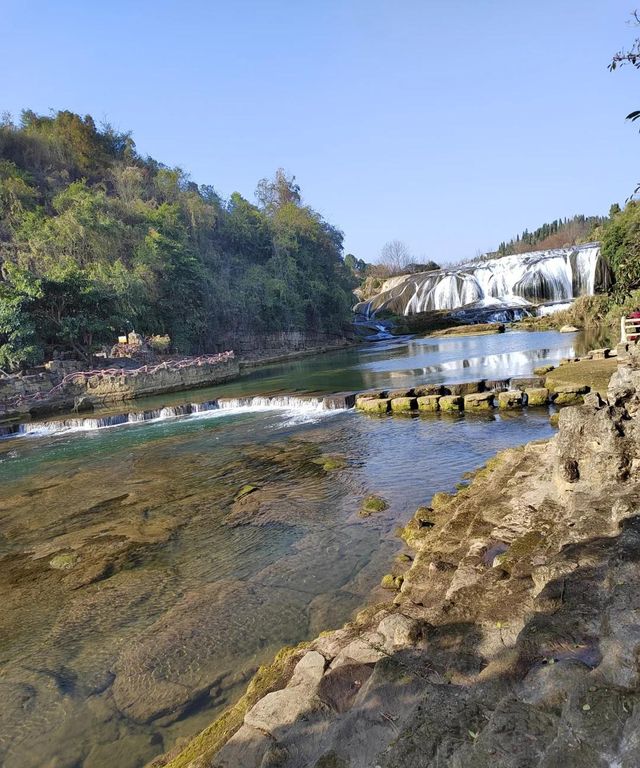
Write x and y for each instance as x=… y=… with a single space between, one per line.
x=629 y=329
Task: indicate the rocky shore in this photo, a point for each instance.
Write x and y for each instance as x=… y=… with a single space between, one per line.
x=512 y=637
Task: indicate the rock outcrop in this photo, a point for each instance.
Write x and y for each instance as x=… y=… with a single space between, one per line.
x=514 y=639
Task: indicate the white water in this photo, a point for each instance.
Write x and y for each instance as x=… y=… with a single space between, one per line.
x=523 y=280
x=297 y=410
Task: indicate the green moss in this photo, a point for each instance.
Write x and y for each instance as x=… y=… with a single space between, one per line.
x=520 y=549
x=372 y=504
x=428 y=403
x=403 y=404
x=245 y=491
x=389 y=581
x=64 y=562
x=331 y=463
x=440 y=500
x=373 y=405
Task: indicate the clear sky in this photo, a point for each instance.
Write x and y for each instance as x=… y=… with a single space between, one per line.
x=449 y=124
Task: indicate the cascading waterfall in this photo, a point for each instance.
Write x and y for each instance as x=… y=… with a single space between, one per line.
x=291 y=403
x=523 y=280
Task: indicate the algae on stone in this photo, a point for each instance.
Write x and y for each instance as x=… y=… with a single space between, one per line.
x=372 y=504
x=451 y=403
x=64 y=562
x=373 y=405
x=428 y=403
x=510 y=399
x=403 y=404
x=537 y=396
x=481 y=401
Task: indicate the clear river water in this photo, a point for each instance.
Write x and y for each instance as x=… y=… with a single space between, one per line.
x=140 y=591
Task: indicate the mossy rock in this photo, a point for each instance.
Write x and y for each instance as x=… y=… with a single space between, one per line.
x=537 y=396
x=245 y=491
x=378 y=405
x=424 y=517
x=389 y=581
x=520 y=550
x=543 y=370
x=510 y=399
x=440 y=499
x=428 y=403
x=451 y=403
x=331 y=463
x=554 y=419
x=481 y=401
x=568 y=398
x=64 y=562
x=403 y=404
x=372 y=504
x=403 y=557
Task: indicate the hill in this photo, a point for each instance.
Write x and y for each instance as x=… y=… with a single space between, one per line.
x=96 y=239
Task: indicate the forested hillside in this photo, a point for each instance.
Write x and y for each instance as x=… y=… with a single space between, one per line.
x=556 y=234
x=96 y=239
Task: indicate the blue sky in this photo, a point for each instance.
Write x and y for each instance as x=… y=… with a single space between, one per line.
x=448 y=124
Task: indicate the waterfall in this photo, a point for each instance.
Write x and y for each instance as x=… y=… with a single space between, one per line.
x=522 y=280
x=222 y=406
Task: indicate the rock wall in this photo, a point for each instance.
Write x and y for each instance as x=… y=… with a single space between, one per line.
x=55 y=393
x=257 y=346
x=514 y=638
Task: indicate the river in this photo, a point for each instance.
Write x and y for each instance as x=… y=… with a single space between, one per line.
x=140 y=589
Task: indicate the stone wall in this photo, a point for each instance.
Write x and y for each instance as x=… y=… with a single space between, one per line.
x=49 y=392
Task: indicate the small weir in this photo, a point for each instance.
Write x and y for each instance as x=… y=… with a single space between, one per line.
x=231 y=404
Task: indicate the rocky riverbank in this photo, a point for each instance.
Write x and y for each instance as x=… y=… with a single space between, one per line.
x=512 y=640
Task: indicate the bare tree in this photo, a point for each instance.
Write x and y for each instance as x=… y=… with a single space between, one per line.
x=395 y=257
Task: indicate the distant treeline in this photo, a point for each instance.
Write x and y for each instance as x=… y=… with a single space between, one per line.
x=556 y=234
x=96 y=239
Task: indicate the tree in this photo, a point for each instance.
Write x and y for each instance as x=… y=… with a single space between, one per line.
x=395 y=257
x=282 y=189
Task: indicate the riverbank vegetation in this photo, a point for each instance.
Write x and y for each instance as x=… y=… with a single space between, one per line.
x=96 y=239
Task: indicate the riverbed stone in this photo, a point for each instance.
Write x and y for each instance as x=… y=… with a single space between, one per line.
x=600 y=354
x=451 y=403
x=283 y=707
x=537 y=396
x=403 y=404
x=513 y=398
x=374 y=405
x=481 y=401
x=394 y=393
x=428 y=403
x=569 y=394
x=464 y=388
x=428 y=389
x=526 y=382
x=543 y=370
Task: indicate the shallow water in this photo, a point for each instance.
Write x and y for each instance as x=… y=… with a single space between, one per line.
x=139 y=596
x=175 y=593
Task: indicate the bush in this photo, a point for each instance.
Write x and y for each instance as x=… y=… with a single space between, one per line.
x=160 y=344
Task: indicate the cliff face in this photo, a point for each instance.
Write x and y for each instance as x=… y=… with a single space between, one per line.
x=513 y=641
